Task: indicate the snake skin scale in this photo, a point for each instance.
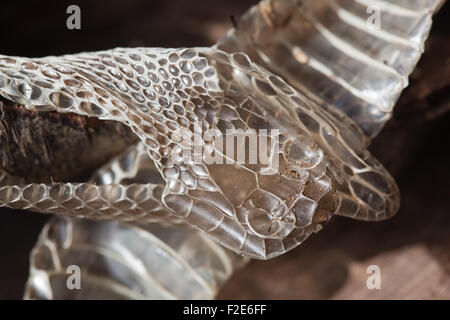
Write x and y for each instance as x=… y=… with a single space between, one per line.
x=318 y=111
x=323 y=167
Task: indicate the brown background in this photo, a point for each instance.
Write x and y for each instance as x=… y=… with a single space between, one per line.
x=412 y=250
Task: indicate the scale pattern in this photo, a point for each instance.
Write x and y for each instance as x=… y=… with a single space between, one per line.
x=122 y=261
x=318 y=166
x=354 y=56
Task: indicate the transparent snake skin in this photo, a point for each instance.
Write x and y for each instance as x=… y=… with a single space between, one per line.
x=323 y=168
x=308 y=76
x=122 y=261
x=336 y=53
x=149 y=259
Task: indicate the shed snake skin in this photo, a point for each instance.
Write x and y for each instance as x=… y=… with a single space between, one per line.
x=307 y=75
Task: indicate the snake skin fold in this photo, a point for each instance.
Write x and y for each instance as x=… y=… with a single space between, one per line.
x=308 y=78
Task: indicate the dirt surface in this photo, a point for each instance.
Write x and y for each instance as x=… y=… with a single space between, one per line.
x=412 y=249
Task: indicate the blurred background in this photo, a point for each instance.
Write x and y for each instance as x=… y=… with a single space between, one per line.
x=412 y=249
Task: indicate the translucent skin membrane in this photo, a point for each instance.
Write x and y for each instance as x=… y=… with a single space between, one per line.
x=347 y=87
x=121 y=261
x=336 y=52
x=153 y=258
x=348 y=77
x=162 y=95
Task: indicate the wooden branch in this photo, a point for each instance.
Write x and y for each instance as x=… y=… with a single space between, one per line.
x=52 y=146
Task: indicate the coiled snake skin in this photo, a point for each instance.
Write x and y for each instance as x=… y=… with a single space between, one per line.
x=319 y=165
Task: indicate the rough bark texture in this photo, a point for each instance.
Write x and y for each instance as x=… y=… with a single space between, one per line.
x=412 y=249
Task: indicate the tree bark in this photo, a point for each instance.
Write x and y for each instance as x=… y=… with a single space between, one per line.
x=53 y=147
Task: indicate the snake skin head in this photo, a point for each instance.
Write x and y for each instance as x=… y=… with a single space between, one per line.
x=201 y=115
